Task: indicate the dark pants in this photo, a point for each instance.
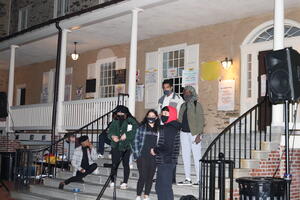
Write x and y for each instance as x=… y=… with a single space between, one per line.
x=174 y=175
x=116 y=157
x=103 y=139
x=79 y=176
x=164 y=178
x=146 y=167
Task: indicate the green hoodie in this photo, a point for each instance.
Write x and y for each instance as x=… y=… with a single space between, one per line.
x=195 y=113
x=128 y=127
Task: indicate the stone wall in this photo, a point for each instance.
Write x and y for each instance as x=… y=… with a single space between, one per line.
x=4 y=17
x=40 y=11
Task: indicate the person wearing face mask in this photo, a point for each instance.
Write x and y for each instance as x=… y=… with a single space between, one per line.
x=167 y=151
x=146 y=138
x=192 y=119
x=169 y=98
x=121 y=132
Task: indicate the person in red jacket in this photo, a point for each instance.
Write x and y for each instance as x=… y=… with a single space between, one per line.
x=167 y=151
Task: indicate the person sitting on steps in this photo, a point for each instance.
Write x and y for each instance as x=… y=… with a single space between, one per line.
x=82 y=161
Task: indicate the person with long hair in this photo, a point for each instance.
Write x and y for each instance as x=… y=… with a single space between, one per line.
x=121 y=132
x=145 y=139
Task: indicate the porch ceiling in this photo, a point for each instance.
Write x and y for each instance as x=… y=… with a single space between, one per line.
x=114 y=25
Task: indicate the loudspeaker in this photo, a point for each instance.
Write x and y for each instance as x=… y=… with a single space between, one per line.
x=3 y=105
x=283 y=75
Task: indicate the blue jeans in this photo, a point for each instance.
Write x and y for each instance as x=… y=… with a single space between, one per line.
x=164 y=178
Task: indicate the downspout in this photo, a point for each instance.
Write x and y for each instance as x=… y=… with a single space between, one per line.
x=56 y=83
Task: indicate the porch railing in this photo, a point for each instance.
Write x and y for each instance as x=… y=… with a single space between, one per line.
x=76 y=114
x=236 y=142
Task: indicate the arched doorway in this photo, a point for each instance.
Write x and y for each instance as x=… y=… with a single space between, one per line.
x=258 y=41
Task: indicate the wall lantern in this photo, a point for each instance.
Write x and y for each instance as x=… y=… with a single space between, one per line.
x=75 y=55
x=226 y=63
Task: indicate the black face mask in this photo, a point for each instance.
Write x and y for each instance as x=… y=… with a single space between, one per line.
x=121 y=117
x=151 y=119
x=164 y=118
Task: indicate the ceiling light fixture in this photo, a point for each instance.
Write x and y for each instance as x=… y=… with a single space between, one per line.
x=75 y=55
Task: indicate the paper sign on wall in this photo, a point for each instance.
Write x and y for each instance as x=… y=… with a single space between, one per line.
x=226 y=95
x=139 y=95
x=190 y=77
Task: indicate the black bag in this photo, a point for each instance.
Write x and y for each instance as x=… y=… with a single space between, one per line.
x=188 y=197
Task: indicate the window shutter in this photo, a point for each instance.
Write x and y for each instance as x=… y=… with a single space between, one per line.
x=152 y=81
x=192 y=60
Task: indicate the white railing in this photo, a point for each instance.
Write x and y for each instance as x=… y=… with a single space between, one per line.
x=31 y=117
x=80 y=113
x=76 y=114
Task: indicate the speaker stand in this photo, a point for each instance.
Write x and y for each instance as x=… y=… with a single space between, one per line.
x=287 y=175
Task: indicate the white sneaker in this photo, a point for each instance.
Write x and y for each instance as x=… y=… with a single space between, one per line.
x=112 y=184
x=100 y=155
x=131 y=166
x=147 y=198
x=138 y=198
x=123 y=186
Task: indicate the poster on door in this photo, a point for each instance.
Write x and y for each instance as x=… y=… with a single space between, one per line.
x=226 y=95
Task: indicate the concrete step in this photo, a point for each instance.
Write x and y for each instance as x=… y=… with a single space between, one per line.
x=258 y=155
x=31 y=196
x=269 y=146
x=240 y=172
x=92 y=180
x=249 y=163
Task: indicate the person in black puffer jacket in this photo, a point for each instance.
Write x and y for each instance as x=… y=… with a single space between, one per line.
x=167 y=151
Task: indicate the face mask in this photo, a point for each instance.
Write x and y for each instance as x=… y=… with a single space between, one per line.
x=151 y=120
x=121 y=117
x=187 y=97
x=167 y=92
x=164 y=118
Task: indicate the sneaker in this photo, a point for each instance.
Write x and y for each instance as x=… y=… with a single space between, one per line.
x=123 y=186
x=100 y=155
x=138 y=198
x=146 y=198
x=195 y=185
x=185 y=182
x=131 y=166
x=112 y=184
x=61 y=185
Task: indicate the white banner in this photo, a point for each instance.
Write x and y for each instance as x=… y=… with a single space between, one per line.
x=226 y=95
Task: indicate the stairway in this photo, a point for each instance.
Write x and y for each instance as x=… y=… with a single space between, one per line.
x=93 y=184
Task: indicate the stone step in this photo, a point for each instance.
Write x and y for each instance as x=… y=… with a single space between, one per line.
x=95 y=188
x=269 y=146
x=249 y=163
x=31 y=196
x=240 y=172
x=258 y=155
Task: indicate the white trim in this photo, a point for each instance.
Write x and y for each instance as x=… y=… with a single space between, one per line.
x=263 y=27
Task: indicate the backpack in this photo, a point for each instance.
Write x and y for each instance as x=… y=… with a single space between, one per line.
x=188 y=197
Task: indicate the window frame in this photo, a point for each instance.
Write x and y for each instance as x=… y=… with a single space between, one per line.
x=21 y=20
x=65 y=7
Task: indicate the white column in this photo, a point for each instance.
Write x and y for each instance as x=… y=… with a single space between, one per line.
x=61 y=86
x=277 y=110
x=10 y=93
x=133 y=60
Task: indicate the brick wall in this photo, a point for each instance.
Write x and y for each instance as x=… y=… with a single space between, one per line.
x=8 y=145
x=277 y=158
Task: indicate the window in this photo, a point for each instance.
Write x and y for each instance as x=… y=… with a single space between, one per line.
x=268 y=34
x=23 y=18
x=103 y=1
x=61 y=7
x=107 y=88
x=173 y=65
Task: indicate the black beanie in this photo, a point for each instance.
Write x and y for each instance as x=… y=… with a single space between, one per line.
x=122 y=109
x=83 y=138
